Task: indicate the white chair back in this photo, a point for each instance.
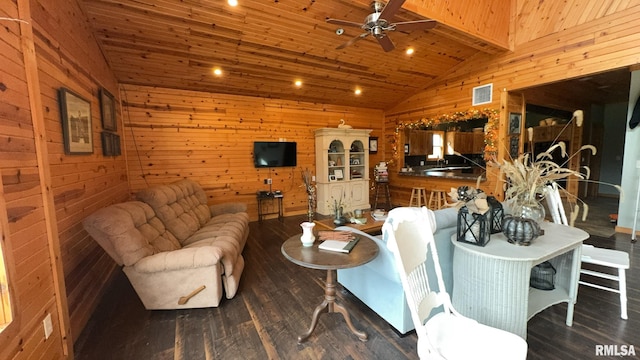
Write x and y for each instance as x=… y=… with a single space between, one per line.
x=442 y=332
x=554 y=202
x=611 y=258
x=408 y=233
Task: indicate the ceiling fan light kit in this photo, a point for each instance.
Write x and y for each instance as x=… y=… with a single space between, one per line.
x=377 y=25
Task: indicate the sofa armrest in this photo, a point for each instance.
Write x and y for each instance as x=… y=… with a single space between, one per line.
x=227 y=208
x=384 y=264
x=186 y=258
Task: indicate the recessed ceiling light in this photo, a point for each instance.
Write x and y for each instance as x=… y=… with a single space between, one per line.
x=232 y=2
x=410 y=51
x=298 y=83
x=358 y=91
x=217 y=71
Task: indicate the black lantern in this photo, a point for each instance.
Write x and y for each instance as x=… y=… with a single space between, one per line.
x=474 y=228
x=497 y=214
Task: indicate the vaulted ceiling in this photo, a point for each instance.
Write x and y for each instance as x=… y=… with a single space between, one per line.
x=263 y=46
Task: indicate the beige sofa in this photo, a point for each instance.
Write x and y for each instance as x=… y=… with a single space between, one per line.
x=172 y=244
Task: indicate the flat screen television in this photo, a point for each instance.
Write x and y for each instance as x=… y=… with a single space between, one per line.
x=274 y=154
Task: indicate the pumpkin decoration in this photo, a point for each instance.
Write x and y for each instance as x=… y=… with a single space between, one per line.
x=520 y=230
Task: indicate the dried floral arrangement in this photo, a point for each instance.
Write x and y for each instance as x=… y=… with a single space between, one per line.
x=307 y=178
x=528 y=175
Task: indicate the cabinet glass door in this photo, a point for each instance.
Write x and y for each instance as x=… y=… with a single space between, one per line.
x=336 y=163
x=356 y=160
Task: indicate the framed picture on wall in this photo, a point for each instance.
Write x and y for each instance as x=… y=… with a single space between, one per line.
x=75 y=112
x=515 y=123
x=110 y=144
x=107 y=143
x=373 y=145
x=514 y=146
x=108 y=110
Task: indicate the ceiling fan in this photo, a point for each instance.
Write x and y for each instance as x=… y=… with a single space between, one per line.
x=377 y=25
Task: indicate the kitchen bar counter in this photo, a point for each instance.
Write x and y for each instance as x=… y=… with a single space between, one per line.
x=449 y=172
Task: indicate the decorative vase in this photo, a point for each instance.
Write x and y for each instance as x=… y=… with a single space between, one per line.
x=529 y=208
x=307 y=237
x=338 y=218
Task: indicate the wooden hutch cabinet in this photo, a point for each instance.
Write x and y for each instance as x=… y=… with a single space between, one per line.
x=342 y=168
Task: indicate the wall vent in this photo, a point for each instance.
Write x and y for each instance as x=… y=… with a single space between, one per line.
x=482 y=94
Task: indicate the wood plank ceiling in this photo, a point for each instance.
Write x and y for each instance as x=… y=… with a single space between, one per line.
x=262 y=47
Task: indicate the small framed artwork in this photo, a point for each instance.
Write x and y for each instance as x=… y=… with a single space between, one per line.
x=76 y=123
x=110 y=144
x=514 y=146
x=107 y=144
x=515 y=123
x=338 y=173
x=406 y=149
x=373 y=145
x=116 y=145
x=332 y=178
x=108 y=110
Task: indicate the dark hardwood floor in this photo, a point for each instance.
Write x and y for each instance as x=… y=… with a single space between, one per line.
x=274 y=305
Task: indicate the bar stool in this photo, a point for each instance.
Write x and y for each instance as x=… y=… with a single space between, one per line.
x=418 y=197
x=382 y=190
x=437 y=199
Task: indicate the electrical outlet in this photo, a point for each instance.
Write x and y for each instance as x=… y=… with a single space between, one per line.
x=313 y=178
x=268 y=181
x=48 y=326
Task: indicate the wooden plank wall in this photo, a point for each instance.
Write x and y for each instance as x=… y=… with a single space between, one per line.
x=172 y=134
x=537 y=19
x=592 y=45
x=68 y=56
x=25 y=236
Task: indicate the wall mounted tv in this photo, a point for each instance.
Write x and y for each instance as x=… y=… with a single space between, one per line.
x=274 y=154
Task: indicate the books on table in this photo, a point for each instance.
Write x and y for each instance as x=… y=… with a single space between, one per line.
x=338 y=245
x=340 y=241
x=379 y=215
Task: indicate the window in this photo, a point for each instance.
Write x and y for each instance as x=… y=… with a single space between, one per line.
x=5 y=301
x=437 y=146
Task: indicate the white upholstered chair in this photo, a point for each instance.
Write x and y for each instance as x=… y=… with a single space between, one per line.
x=616 y=259
x=442 y=332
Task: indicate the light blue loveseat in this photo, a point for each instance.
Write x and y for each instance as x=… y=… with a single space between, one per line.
x=377 y=283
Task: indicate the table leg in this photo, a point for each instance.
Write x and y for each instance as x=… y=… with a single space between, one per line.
x=576 y=263
x=329 y=303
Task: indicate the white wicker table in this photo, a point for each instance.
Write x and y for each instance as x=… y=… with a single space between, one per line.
x=491 y=283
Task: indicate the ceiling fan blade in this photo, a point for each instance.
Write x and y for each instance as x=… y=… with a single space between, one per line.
x=391 y=8
x=415 y=25
x=343 y=23
x=386 y=43
x=350 y=42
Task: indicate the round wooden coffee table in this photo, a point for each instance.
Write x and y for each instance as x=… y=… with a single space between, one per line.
x=314 y=258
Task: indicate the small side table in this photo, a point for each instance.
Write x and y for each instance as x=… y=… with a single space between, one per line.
x=314 y=258
x=261 y=196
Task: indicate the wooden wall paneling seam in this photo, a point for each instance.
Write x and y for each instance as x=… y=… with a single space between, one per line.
x=11 y=331
x=53 y=242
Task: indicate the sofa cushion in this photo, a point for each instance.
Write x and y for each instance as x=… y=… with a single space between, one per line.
x=130 y=231
x=446 y=217
x=182 y=206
